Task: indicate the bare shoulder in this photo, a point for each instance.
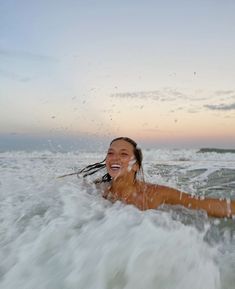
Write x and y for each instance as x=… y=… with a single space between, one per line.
x=156 y=194
x=153 y=194
x=157 y=189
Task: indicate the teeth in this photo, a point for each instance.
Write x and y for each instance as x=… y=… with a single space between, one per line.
x=115 y=166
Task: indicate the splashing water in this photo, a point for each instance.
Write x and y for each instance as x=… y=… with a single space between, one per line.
x=62 y=234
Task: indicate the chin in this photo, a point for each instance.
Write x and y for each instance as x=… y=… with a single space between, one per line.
x=119 y=175
x=115 y=175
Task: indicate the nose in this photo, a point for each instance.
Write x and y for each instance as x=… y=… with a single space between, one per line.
x=113 y=157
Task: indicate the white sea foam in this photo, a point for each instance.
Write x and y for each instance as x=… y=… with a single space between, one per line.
x=131 y=163
x=60 y=233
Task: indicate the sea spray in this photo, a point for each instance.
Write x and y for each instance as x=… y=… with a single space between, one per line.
x=62 y=234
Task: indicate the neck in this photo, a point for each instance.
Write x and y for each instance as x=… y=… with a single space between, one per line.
x=121 y=184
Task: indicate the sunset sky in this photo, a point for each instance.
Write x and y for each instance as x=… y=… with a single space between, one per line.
x=76 y=72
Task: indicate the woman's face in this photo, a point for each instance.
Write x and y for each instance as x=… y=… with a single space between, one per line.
x=120 y=159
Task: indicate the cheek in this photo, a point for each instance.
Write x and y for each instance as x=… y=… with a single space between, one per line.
x=126 y=160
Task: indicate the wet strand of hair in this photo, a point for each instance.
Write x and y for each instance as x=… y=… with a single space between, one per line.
x=89 y=173
x=91 y=167
x=85 y=170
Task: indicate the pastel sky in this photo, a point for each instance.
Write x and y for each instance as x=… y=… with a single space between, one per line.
x=161 y=72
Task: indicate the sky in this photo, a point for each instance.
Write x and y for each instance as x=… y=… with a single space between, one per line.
x=79 y=73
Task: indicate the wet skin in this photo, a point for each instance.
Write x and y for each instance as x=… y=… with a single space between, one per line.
x=122 y=167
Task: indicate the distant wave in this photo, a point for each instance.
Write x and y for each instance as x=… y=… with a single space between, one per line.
x=216 y=150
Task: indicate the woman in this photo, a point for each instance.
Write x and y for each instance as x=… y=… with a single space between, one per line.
x=124 y=161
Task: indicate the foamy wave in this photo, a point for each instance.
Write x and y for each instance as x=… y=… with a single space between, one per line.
x=60 y=233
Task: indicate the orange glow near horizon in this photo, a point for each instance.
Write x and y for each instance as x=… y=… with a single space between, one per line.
x=166 y=120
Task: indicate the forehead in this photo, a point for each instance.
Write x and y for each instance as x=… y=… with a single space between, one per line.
x=121 y=144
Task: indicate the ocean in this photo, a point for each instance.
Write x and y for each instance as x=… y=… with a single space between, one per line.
x=61 y=234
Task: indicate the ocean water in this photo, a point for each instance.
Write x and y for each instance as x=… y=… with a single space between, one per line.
x=61 y=234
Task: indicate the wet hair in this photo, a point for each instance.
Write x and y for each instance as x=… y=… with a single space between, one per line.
x=94 y=168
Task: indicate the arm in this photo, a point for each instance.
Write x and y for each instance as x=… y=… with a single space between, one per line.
x=213 y=207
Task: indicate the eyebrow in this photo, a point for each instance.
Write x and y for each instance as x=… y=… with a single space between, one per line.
x=111 y=149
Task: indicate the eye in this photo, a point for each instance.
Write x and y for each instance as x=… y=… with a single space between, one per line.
x=124 y=154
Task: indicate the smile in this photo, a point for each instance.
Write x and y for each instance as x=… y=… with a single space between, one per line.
x=115 y=167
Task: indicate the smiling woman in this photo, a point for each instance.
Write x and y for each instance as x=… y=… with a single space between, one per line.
x=122 y=182
x=120 y=159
